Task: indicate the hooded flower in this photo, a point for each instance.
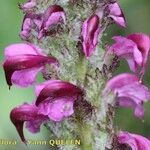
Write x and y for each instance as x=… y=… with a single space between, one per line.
x=90 y=33
x=134 y=48
x=129 y=92
x=55 y=98
x=134 y=141
x=29 y=114
x=52 y=16
x=30 y=21
x=116 y=14
x=23 y=62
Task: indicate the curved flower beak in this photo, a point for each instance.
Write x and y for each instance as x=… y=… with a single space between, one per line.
x=23 y=62
x=24 y=113
x=52 y=16
x=90 y=33
x=55 y=89
x=134 y=141
x=130 y=92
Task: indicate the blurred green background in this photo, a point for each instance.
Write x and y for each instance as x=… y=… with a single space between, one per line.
x=137 y=14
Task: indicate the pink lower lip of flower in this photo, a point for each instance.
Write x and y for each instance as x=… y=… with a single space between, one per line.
x=90 y=33
x=58 y=89
x=134 y=141
x=23 y=62
x=57 y=110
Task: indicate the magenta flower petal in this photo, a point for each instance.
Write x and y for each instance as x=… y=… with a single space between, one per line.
x=34 y=125
x=40 y=87
x=57 y=89
x=121 y=80
x=90 y=33
x=28 y=5
x=30 y=21
x=143 y=44
x=116 y=14
x=28 y=76
x=135 y=49
x=24 y=113
x=126 y=48
x=134 y=141
x=134 y=95
x=53 y=15
x=128 y=102
x=23 y=61
x=22 y=49
x=129 y=92
x=131 y=89
x=57 y=110
x=26 y=28
x=55 y=99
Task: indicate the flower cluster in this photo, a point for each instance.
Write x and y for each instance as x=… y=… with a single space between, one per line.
x=55 y=98
x=54 y=101
x=129 y=89
x=42 y=22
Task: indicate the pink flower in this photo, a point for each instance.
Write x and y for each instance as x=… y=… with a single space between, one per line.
x=30 y=21
x=55 y=99
x=135 y=49
x=23 y=62
x=134 y=141
x=116 y=14
x=29 y=114
x=129 y=92
x=90 y=33
x=28 y=5
x=52 y=16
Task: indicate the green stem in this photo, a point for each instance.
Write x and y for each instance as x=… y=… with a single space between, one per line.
x=82 y=68
x=85 y=136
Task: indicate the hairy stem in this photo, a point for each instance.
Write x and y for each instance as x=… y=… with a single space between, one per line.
x=93 y=119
